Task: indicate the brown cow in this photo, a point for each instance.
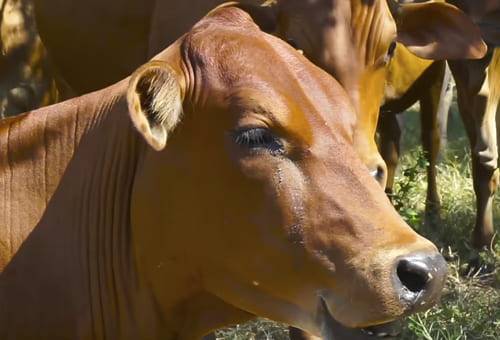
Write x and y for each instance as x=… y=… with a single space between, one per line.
x=478 y=90
x=257 y=206
x=26 y=76
x=351 y=39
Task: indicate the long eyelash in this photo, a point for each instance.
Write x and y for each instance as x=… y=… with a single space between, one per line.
x=254 y=137
x=258 y=137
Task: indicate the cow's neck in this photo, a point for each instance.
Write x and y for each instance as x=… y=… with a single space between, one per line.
x=73 y=269
x=370 y=42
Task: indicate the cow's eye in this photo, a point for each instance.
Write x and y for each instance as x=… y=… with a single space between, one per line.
x=391 y=50
x=258 y=138
x=386 y=58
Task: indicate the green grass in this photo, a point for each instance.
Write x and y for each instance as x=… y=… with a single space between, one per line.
x=470 y=307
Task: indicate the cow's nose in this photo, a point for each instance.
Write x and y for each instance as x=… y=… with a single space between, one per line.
x=420 y=279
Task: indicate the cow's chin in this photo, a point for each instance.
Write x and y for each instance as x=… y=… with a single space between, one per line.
x=331 y=329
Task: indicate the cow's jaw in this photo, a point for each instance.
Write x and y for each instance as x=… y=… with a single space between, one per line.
x=331 y=329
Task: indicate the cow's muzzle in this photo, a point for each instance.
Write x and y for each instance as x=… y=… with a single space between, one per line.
x=419 y=280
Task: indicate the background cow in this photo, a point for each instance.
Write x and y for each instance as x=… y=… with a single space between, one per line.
x=411 y=79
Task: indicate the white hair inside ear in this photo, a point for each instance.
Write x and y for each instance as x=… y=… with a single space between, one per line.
x=155 y=103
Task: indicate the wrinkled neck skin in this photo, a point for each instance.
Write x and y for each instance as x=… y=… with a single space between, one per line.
x=67 y=251
x=70 y=258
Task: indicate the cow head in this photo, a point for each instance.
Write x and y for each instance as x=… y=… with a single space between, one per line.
x=257 y=195
x=354 y=40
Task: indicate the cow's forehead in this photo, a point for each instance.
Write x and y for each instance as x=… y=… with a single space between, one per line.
x=236 y=56
x=257 y=73
x=269 y=65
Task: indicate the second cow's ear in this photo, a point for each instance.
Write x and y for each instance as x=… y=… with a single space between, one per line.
x=438 y=31
x=155 y=102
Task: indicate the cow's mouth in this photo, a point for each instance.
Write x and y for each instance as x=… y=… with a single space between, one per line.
x=331 y=329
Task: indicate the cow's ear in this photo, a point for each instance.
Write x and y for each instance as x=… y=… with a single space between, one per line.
x=155 y=102
x=438 y=31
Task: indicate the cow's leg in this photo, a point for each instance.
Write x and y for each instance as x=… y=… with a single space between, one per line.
x=431 y=133
x=390 y=135
x=445 y=102
x=478 y=105
x=484 y=163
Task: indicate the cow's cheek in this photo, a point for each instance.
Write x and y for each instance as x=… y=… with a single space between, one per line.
x=263 y=221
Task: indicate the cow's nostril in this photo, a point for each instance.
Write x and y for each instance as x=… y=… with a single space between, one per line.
x=413 y=274
x=419 y=280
